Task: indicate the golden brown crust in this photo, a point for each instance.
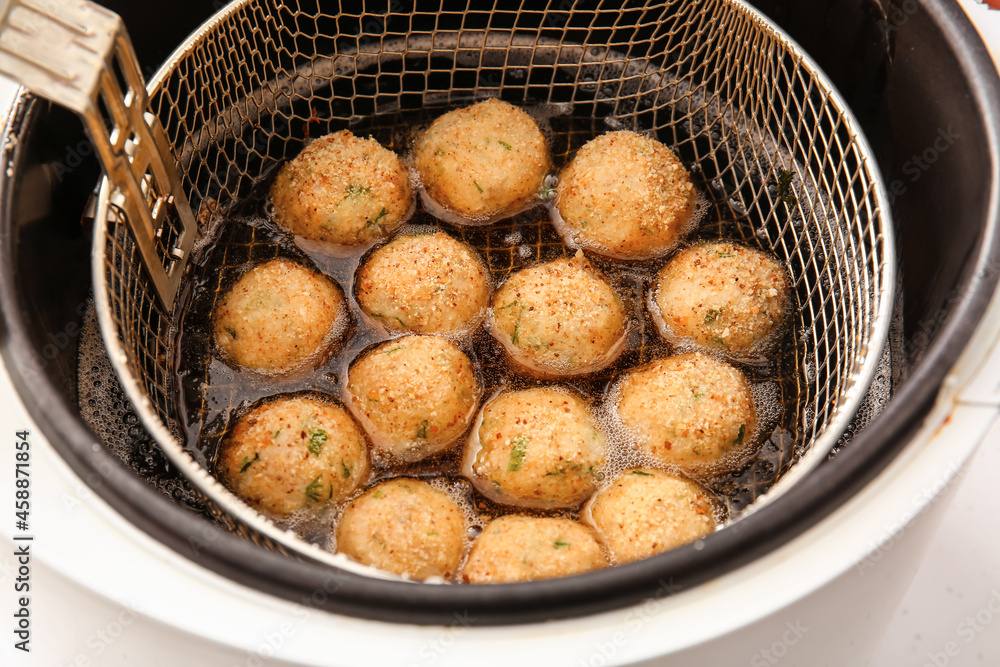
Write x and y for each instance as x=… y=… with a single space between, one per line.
x=343 y=190
x=559 y=318
x=625 y=195
x=279 y=317
x=424 y=283
x=483 y=161
x=645 y=512
x=294 y=454
x=689 y=410
x=521 y=548
x=722 y=296
x=538 y=448
x=416 y=395
x=406 y=527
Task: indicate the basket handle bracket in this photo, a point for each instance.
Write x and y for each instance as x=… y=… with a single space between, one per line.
x=78 y=55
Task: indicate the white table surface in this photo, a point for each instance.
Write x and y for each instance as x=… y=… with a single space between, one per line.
x=946 y=619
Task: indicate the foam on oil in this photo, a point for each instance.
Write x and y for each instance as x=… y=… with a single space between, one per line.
x=213 y=395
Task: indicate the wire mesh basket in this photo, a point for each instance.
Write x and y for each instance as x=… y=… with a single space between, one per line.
x=758 y=124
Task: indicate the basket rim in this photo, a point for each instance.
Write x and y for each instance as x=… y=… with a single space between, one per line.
x=392 y=592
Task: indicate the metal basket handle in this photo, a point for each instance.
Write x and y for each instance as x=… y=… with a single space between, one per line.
x=78 y=54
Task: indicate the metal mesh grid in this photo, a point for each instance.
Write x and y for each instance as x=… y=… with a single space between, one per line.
x=709 y=78
x=132 y=299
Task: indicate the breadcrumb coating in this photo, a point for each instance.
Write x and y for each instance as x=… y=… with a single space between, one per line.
x=482 y=162
x=343 y=190
x=645 y=512
x=521 y=548
x=294 y=454
x=626 y=196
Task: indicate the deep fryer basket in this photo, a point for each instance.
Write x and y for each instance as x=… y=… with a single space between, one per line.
x=712 y=79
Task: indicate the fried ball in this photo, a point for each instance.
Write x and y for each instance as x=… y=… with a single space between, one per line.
x=559 y=319
x=295 y=453
x=625 y=196
x=279 y=317
x=522 y=548
x=690 y=411
x=415 y=395
x=424 y=283
x=537 y=448
x=343 y=190
x=722 y=296
x=482 y=162
x=646 y=512
x=405 y=527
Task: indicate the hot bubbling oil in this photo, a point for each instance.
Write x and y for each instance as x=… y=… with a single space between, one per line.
x=213 y=395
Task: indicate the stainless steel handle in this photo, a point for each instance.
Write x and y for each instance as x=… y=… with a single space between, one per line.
x=78 y=54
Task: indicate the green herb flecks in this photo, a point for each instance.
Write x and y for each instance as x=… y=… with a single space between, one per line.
x=785 y=178
x=642 y=473
x=560 y=543
x=378 y=494
x=356 y=191
x=740 y=435
x=247 y=461
x=517 y=452
x=276 y=434
x=346 y=469
x=504 y=144
x=315 y=489
x=432 y=533
x=375 y=222
x=317 y=438
x=395 y=349
x=509 y=305
x=478 y=186
x=232 y=332
x=422 y=430
x=698 y=395
x=725 y=254
x=441 y=151
x=515 y=337
x=712 y=316
x=401 y=322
